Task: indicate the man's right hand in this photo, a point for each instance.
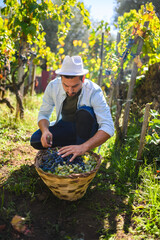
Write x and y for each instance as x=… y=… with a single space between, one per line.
x=46 y=139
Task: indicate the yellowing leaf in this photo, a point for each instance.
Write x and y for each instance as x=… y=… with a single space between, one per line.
x=85 y=50
x=79 y=42
x=61 y=51
x=149 y=7
x=140 y=32
x=108 y=85
x=145 y=17
x=75 y=42
x=138 y=62
x=29 y=38
x=18 y=223
x=87 y=75
x=103 y=88
x=98 y=61
x=61 y=42
x=1 y=22
x=47 y=49
x=84 y=45
x=92 y=61
x=91 y=43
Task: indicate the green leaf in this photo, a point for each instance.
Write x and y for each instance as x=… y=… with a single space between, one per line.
x=31 y=29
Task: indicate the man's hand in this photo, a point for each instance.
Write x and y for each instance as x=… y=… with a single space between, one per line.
x=99 y=138
x=76 y=150
x=46 y=139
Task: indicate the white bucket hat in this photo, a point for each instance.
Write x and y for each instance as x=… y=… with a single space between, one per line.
x=72 y=66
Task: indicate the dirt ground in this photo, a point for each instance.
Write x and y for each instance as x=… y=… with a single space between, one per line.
x=101 y=212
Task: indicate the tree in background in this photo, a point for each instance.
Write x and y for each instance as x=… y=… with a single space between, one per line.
x=126 y=5
x=77 y=31
x=91 y=52
x=50 y=27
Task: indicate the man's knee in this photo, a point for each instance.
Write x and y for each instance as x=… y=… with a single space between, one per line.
x=35 y=140
x=86 y=122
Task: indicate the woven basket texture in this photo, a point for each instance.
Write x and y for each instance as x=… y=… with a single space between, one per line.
x=70 y=187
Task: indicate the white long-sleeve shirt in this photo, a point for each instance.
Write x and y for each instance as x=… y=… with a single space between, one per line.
x=91 y=95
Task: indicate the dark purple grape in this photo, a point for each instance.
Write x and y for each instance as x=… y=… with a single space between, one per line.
x=52 y=159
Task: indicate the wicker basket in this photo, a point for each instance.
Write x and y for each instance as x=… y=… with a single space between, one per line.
x=70 y=187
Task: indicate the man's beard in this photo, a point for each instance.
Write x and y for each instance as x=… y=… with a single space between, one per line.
x=72 y=94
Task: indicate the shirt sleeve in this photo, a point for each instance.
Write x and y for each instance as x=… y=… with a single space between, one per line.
x=102 y=112
x=48 y=104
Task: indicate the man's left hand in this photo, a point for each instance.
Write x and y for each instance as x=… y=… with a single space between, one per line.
x=75 y=150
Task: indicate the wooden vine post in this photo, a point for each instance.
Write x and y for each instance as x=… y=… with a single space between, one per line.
x=143 y=131
x=111 y=93
x=113 y=86
x=131 y=85
x=21 y=73
x=101 y=57
x=118 y=94
x=33 y=79
x=119 y=103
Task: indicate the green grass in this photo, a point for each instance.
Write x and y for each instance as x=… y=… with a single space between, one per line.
x=147 y=203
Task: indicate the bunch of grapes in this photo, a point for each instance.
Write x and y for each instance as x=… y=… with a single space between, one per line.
x=54 y=163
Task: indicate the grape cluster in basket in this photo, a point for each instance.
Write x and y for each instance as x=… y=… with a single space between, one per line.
x=54 y=163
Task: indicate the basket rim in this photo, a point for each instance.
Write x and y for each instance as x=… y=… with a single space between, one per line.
x=73 y=175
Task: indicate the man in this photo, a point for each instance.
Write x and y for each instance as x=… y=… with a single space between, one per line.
x=83 y=117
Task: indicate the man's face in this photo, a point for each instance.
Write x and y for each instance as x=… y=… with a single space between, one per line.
x=71 y=85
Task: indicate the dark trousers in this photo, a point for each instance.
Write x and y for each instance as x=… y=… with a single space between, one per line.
x=70 y=133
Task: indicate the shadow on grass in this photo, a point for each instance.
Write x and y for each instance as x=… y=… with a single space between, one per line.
x=104 y=209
